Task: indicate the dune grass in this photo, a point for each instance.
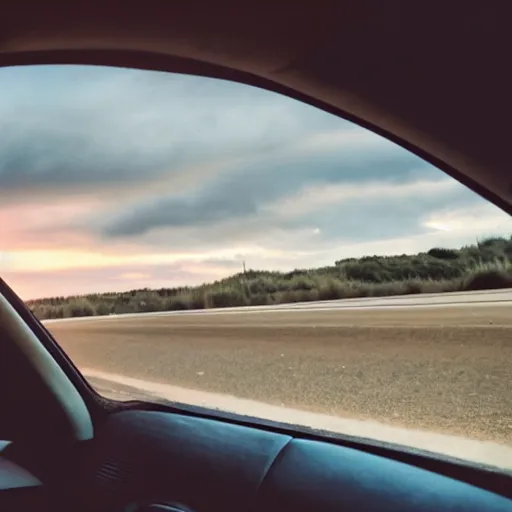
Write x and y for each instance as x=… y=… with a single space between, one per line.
x=485 y=265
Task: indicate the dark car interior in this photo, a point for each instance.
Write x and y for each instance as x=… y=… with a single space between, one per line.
x=433 y=78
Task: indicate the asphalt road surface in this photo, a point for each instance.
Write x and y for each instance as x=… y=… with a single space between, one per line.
x=454 y=299
x=439 y=368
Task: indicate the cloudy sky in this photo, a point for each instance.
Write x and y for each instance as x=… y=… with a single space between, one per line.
x=114 y=179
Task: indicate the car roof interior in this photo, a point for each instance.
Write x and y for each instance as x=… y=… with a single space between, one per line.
x=433 y=79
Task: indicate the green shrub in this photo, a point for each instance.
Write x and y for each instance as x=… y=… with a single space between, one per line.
x=81 y=307
x=487 y=280
x=443 y=254
x=177 y=304
x=225 y=297
x=260 y=299
x=196 y=300
x=330 y=290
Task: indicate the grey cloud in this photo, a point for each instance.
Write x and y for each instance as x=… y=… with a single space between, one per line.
x=87 y=128
x=380 y=219
x=181 y=212
x=243 y=194
x=72 y=127
x=351 y=221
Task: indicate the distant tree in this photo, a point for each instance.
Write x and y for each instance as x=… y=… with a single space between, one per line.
x=443 y=254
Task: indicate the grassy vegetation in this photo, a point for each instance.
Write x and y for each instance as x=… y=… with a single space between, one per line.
x=485 y=265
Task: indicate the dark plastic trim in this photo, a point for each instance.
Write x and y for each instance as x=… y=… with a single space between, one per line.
x=94 y=402
x=480 y=475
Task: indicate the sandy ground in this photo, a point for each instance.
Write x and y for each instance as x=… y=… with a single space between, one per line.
x=447 y=370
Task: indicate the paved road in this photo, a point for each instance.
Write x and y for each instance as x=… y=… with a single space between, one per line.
x=484 y=452
x=447 y=369
x=432 y=371
x=454 y=299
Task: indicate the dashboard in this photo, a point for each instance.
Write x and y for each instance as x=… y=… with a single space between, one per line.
x=149 y=460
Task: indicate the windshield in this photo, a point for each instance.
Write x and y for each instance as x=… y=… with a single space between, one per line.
x=209 y=243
